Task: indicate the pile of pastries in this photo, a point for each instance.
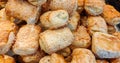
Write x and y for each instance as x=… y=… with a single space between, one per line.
x=59 y=31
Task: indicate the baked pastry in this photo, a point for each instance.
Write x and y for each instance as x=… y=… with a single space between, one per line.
x=22 y=10
x=54 y=19
x=94 y=7
x=80 y=5
x=54 y=58
x=73 y=21
x=105 y=45
x=102 y=61
x=69 y=5
x=53 y=40
x=96 y=24
x=6 y=59
x=81 y=55
x=111 y=16
x=37 y=2
x=82 y=38
x=7 y=35
x=27 y=40
x=34 y=58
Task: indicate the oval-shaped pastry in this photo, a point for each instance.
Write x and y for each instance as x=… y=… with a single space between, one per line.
x=54 y=19
x=53 y=40
x=81 y=55
x=112 y=16
x=96 y=24
x=27 y=40
x=94 y=7
x=22 y=10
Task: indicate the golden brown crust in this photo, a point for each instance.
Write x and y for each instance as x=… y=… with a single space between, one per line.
x=82 y=38
x=27 y=40
x=34 y=58
x=54 y=19
x=22 y=10
x=80 y=55
x=109 y=14
x=54 y=40
x=96 y=24
x=6 y=59
x=68 y=5
x=94 y=7
x=3 y=16
x=117 y=34
x=54 y=58
x=105 y=45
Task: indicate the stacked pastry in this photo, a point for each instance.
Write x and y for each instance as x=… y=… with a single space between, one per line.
x=59 y=31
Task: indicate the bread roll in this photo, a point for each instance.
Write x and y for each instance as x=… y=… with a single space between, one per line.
x=82 y=38
x=22 y=10
x=6 y=59
x=74 y=20
x=37 y=2
x=105 y=45
x=54 y=58
x=94 y=7
x=96 y=24
x=69 y=5
x=81 y=55
x=27 y=40
x=54 y=19
x=54 y=40
x=7 y=35
x=111 y=15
